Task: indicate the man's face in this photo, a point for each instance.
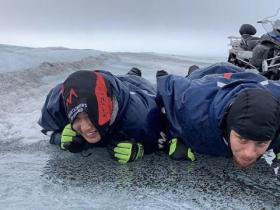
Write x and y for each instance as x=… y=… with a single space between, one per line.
x=245 y=151
x=85 y=128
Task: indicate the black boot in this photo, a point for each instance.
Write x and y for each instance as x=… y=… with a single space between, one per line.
x=135 y=71
x=161 y=73
x=192 y=69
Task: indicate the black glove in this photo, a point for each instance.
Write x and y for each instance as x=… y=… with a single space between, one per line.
x=125 y=151
x=178 y=151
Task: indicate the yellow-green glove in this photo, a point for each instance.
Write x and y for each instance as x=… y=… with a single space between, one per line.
x=125 y=152
x=71 y=141
x=178 y=151
x=277 y=153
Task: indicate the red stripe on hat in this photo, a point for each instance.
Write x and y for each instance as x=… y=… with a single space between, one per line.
x=105 y=104
x=227 y=75
x=69 y=99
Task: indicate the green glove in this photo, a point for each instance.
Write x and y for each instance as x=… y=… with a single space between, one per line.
x=277 y=153
x=67 y=136
x=71 y=141
x=278 y=156
x=178 y=151
x=126 y=152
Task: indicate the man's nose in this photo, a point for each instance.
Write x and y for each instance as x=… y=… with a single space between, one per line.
x=250 y=151
x=85 y=125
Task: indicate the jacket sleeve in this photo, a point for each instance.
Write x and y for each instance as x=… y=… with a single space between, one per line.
x=53 y=117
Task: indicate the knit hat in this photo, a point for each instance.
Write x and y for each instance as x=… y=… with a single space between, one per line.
x=88 y=91
x=254 y=115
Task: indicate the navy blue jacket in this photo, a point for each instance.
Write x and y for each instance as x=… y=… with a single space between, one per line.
x=195 y=105
x=137 y=117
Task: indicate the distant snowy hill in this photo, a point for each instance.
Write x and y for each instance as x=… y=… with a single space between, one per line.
x=14 y=58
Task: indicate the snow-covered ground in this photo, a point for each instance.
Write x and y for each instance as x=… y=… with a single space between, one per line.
x=37 y=175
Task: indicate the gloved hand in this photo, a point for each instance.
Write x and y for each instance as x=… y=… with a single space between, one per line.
x=71 y=141
x=125 y=152
x=277 y=153
x=178 y=151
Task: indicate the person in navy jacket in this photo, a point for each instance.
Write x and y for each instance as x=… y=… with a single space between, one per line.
x=221 y=110
x=96 y=108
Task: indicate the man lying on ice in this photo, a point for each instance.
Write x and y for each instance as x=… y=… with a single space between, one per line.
x=221 y=111
x=96 y=108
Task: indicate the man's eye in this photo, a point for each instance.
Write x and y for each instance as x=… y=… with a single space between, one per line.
x=263 y=142
x=77 y=120
x=242 y=140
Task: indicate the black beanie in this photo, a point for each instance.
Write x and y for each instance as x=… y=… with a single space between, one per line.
x=254 y=115
x=88 y=91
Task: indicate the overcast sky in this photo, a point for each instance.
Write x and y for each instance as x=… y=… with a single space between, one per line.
x=188 y=27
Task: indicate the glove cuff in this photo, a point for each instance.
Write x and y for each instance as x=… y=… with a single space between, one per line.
x=55 y=138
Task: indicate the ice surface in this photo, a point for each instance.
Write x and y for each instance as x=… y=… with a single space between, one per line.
x=37 y=175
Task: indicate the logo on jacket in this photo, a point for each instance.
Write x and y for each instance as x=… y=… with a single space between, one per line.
x=227 y=75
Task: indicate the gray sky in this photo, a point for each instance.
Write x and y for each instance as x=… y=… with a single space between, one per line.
x=190 y=27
